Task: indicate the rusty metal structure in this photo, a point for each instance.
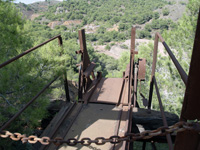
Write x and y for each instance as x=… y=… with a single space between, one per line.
x=102 y=116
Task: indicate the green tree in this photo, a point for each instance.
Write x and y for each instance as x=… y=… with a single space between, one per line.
x=165 y=11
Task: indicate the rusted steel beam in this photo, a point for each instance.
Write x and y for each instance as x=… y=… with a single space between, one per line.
x=83 y=48
x=191 y=105
x=169 y=140
x=28 y=51
x=175 y=61
x=121 y=92
x=69 y=110
x=155 y=51
x=92 y=88
x=66 y=87
x=135 y=86
x=133 y=30
x=89 y=70
x=26 y=106
x=141 y=69
x=130 y=144
x=132 y=50
x=188 y=140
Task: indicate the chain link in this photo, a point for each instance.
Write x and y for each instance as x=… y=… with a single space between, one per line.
x=178 y=127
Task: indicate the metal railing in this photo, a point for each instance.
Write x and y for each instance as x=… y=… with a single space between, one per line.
x=153 y=82
x=42 y=90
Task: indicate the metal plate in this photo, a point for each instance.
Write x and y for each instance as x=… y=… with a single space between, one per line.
x=95 y=120
x=142 y=69
x=107 y=91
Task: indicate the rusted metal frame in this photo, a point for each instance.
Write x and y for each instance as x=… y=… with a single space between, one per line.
x=128 y=124
x=129 y=144
x=94 y=84
x=190 y=110
x=118 y=121
x=80 y=87
x=66 y=87
x=26 y=106
x=132 y=51
x=89 y=70
x=141 y=69
x=59 y=123
x=169 y=140
x=73 y=105
x=83 y=47
x=153 y=70
x=85 y=82
x=192 y=87
x=130 y=78
x=181 y=71
x=150 y=94
x=26 y=52
x=121 y=92
x=71 y=123
x=116 y=131
x=135 y=86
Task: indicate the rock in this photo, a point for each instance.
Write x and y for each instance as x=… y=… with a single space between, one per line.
x=143 y=119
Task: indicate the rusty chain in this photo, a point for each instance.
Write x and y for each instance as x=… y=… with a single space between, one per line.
x=178 y=127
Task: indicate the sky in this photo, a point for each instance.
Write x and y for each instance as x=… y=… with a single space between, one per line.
x=29 y=1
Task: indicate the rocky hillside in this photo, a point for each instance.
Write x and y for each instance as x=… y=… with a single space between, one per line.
x=31 y=11
x=173 y=10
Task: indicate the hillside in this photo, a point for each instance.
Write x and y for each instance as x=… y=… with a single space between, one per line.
x=31 y=11
x=123 y=13
x=107 y=21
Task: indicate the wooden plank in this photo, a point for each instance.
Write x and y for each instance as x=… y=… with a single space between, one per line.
x=107 y=91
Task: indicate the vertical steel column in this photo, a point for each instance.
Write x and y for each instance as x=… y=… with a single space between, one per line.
x=153 y=69
x=135 y=86
x=189 y=140
x=132 y=51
